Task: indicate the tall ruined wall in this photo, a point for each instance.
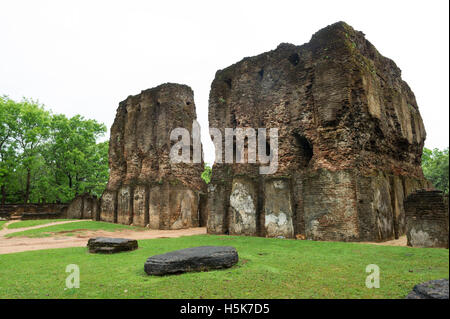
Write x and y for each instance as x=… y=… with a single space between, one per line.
x=144 y=187
x=350 y=139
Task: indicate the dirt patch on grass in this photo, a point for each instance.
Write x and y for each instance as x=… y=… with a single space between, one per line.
x=81 y=236
x=5 y=230
x=402 y=241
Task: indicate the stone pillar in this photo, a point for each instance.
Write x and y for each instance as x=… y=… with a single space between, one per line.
x=203 y=210
x=108 y=212
x=83 y=206
x=330 y=206
x=218 y=199
x=155 y=206
x=125 y=205
x=75 y=209
x=278 y=212
x=140 y=206
x=243 y=207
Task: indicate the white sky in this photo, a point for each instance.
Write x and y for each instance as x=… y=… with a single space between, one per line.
x=84 y=57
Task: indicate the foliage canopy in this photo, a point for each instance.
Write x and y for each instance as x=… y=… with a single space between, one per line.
x=47 y=157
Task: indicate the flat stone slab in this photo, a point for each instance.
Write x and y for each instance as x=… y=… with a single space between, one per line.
x=433 y=289
x=105 y=245
x=192 y=259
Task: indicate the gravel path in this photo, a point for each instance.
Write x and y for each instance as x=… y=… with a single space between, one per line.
x=5 y=231
x=19 y=244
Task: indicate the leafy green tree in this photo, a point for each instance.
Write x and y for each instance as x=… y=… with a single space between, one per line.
x=32 y=128
x=49 y=158
x=79 y=164
x=206 y=175
x=9 y=111
x=435 y=167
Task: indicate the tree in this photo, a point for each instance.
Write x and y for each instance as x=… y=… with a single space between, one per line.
x=435 y=167
x=32 y=128
x=206 y=175
x=9 y=111
x=46 y=157
x=79 y=164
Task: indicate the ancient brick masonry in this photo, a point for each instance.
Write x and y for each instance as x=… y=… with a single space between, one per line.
x=144 y=187
x=83 y=206
x=427 y=219
x=350 y=142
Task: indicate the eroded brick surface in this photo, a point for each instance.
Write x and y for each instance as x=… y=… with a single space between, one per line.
x=350 y=140
x=144 y=187
x=427 y=219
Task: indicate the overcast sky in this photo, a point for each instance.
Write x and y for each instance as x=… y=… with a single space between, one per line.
x=84 y=57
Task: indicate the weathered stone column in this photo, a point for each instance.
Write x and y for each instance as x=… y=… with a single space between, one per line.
x=83 y=206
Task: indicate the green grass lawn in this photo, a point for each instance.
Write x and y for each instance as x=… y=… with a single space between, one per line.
x=2 y=222
x=72 y=228
x=37 y=222
x=267 y=268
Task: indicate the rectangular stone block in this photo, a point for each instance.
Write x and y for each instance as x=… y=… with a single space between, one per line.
x=397 y=197
x=203 y=210
x=155 y=198
x=75 y=209
x=330 y=206
x=183 y=208
x=375 y=204
x=243 y=208
x=140 y=211
x=278 y=214
x=87 y=208
x=108 y=207
x=217 y=199
x=124 y=205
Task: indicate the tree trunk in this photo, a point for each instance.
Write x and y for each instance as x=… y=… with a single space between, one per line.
x=27 y=191
x=3 y=194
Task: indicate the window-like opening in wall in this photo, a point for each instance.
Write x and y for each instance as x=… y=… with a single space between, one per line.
x=305 y=149
x=228 y=82
x=261 y=74
x=234 y=150
x=294 y=59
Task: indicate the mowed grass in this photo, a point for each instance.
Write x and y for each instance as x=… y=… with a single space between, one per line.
x=267 y=268
x=2 y=222
x=71 y=229
x=37 y=222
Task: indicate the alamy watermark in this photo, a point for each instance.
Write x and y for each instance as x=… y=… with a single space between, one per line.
x=373 y=280
x=261 y=147
x=73 y=280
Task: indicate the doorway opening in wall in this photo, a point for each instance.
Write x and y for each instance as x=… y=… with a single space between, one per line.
x=305 y=149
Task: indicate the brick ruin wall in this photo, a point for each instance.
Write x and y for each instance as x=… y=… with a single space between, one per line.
x=427 y=219
x=144 y=187
x=84 y=206
x=33 y=211
x=350 y=139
